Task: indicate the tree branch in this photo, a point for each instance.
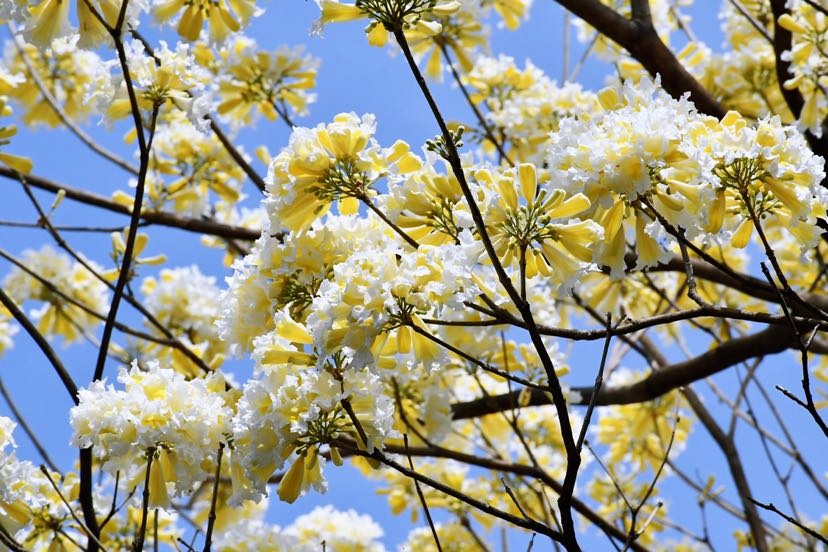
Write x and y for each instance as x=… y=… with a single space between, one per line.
x=772 y=340
x=640 y=39
x=160 y=218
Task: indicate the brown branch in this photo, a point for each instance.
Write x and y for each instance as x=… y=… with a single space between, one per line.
x=487 y=129
x=747 y=284
x=517 y=469
x=170 y=340
x=151 y=217
x=573 y=460
x=138 y=543
x=639 y=38
x=47 y=350
x=214 y=126
x=124 y=274
x=484 y=507
x=423 y=499
x=737 y=472
x=236 y=155
x=726 y=445
x=61 y=114
x=772 y=340
x=211 y=517
x=782 y=40
x=771 y=508
x=69 y=507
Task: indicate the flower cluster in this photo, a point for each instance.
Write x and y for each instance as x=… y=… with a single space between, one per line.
x=537 y=227
x=435 y=30
x=186 y=167
x=648 y=428
x=222 y=18
x=405 y=305
x=30 y=509
x=652 y=160
x=74 y=299
x=523 y=105
x=186 y=303
x=292 y=410
x=273 y=84
x=169 y=80
x=335 y=162
x=65 y=71
x=339 y=530
x=453 y=537
x=159 y=421
x=808 y=62
x=44 y=20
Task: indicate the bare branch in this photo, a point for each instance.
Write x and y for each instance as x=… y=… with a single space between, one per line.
x=151 y=217
x=772 y=340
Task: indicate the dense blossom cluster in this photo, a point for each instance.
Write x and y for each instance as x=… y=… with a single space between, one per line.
x=180 y=424
x=43 y=276
x=186 y=303
x=339 y=530
x=651 y=157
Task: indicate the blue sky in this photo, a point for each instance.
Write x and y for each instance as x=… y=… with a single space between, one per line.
x=353 y=77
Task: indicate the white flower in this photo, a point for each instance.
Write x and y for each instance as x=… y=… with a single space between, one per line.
x=158 y=410
x=346 y=530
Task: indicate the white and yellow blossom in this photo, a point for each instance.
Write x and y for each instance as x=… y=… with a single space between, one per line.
x=57 y=316
x=158 y=412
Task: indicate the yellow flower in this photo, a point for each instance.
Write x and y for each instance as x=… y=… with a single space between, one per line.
x=291 y=485
x=57 y=316
x=461 y=33
x=119 y=248
x=335 y=12
x=50 y=19
x=65 y=71
x=640 y=432
x=527 y=220
x=20 y=164
x=512 y=11
x=267 y=82
x=334 y=162
x=223 y=17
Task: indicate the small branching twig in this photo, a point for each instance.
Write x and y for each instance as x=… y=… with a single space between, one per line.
x=771 y=508
x=423 y=500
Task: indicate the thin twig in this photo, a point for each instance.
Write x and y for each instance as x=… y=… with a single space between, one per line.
x=487 y=130
x=61 y=114
x=41 y=342
x=26 y=429
x=211 y=517
x=71 y=510
x=138 y=544
x=422 y=499
x=771 y=508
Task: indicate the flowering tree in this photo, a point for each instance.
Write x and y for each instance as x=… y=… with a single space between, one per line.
x=410 y=308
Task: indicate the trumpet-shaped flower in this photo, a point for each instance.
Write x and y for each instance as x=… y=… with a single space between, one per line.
x=222 y=18
x=536 y=228
x=271 y=83
x=14 y=162
x=335 y=162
